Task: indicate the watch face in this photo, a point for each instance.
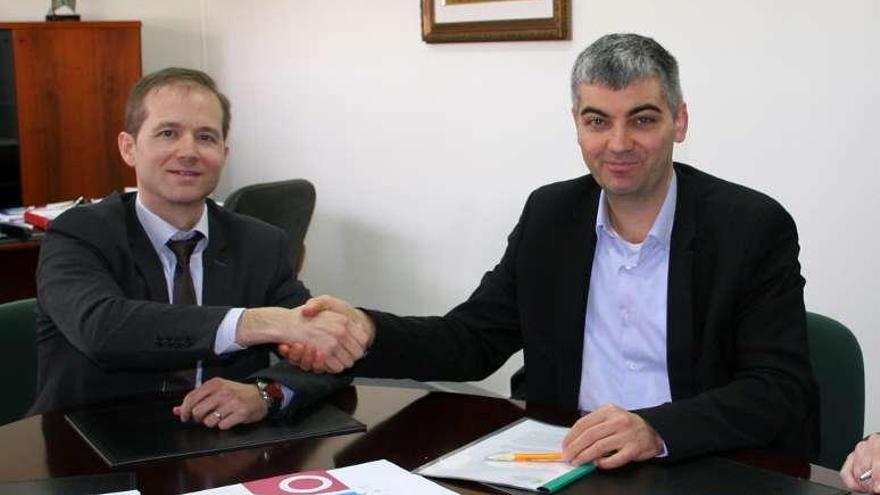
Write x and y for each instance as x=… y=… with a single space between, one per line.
x=274 y=391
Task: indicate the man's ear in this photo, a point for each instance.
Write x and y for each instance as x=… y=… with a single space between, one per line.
x=126 y=144
x=681 y=123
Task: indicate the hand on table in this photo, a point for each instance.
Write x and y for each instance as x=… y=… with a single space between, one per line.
x=220 y=403
x=865 y=456
x=611 y=436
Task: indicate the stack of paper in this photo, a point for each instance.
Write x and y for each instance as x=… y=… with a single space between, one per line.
x=472 y=462
x=372 y=478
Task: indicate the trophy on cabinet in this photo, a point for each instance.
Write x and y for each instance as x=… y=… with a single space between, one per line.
x=62 y=10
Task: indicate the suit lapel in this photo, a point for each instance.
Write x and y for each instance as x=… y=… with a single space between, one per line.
x=680 y=344
x=145 y=258
x=218 y=262
x=574 y=282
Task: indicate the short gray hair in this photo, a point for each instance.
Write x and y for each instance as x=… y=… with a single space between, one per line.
x=621 y=59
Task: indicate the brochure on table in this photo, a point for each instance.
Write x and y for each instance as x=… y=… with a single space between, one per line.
x=372 y=478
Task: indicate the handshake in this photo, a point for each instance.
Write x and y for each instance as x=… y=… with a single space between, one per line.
x=323 y=335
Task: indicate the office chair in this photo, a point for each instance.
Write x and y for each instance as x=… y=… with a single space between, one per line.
x=840 y=374
x=286 y=204
x=18 y=368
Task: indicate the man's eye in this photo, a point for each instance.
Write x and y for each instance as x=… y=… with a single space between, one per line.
x=166 y=133
x=208 y=138
x=645 y=120
x=595 y=122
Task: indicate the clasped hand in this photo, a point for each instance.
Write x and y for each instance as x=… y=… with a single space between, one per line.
x=310 y=357
x=333 y=338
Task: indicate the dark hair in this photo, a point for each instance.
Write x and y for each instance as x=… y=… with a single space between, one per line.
x=136 y=113
x=620 y=59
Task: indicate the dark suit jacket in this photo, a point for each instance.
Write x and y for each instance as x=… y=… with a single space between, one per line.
x=105 y=328
x=739 y=371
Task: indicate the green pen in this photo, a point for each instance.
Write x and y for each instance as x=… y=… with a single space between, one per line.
x=568 y=478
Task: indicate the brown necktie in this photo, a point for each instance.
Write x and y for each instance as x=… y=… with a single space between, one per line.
x=183 y=293
x=184 y=290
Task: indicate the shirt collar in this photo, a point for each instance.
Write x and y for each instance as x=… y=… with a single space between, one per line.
x=661 y=230
x=159 y=231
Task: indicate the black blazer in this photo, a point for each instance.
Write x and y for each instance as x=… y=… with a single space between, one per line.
x=739 y=371
x=105 y=328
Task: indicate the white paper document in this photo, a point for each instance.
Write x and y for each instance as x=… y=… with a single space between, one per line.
x=471 y=462
x=371 y=478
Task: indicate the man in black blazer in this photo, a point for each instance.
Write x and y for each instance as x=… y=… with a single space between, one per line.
x=120 y=312
x=666 y=302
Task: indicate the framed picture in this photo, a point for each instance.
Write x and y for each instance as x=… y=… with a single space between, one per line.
x=456 y=21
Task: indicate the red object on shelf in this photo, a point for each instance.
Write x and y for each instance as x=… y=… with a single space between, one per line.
x=42 y=217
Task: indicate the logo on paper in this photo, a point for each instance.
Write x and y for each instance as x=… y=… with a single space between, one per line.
x=308 y=483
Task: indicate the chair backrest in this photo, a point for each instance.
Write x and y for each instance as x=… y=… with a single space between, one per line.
x=840 y=375
x=18 y=367
x=286 y=204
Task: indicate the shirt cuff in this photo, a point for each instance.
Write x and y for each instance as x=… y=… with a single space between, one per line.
x=288 y=396
x=224 y=342
x=664 y=452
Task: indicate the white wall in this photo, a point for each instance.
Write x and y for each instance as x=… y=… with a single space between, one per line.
x=423 y=154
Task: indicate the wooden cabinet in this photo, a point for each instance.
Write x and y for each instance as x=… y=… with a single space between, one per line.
x=63 y=87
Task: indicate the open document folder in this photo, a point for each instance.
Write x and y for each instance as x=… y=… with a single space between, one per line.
x=472 y=462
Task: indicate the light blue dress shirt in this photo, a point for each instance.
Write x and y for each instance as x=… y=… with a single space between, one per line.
x=624 y=354
x=159 y=232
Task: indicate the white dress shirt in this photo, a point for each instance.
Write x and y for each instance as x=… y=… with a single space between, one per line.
x=160 y=232
x=624 y=353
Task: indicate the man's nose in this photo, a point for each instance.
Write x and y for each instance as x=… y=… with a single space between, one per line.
x=186 y=147
x=620 y=139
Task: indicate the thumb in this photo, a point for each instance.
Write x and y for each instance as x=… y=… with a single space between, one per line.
x=317 y=304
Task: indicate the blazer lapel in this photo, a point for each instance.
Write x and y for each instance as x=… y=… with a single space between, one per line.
x=680 y=344
x=218 y=263
x=145 y=258
x=574 y=280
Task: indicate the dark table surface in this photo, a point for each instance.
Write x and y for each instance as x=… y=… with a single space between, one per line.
x=407 y=426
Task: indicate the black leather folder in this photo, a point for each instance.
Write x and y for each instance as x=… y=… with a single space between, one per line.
x=74 y=485
x=703 y=476
x=127 y=433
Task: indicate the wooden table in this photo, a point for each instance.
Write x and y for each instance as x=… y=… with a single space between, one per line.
x=406 y=426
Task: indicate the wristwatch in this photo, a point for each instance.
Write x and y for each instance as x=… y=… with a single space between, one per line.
x=271 y=394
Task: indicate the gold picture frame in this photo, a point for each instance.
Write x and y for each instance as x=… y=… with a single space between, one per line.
x=556 y=27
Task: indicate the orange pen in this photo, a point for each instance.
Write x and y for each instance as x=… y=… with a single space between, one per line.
x=527 y=457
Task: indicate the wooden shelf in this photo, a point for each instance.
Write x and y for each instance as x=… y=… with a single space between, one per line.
x=71 y=81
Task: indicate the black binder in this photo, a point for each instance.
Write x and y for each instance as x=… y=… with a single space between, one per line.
x=131 y=432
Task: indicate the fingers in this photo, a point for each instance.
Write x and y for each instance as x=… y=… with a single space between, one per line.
x=848 y=475
x=330 y=334
x=318 y=304
x=611 y=437
x=865 y=456
x=222 y=404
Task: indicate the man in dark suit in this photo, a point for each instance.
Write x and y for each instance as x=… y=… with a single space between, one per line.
x=666 y=303
x=163 y=289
